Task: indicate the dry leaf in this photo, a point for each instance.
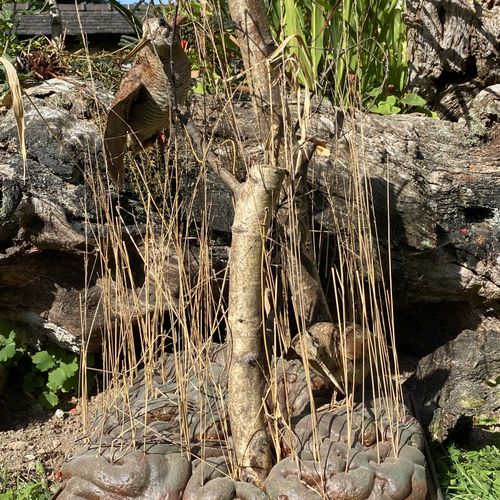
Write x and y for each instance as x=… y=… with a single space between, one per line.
x=17 y=105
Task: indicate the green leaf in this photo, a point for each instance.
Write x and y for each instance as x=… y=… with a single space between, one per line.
x=70 y=367
x=413 y=100
x=40 y=469
x=48 y=399
x=7 y=340
x=376 y=92
x=391 y=100
x=56 y=380
x=7 y=352
x=199 y=88
x=382 y=108
x=43 y=361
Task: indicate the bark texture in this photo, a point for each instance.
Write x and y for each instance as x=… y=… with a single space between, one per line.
x=254 y=207
x=458 y=381
x=442 y=179
x=437 y=182
x=48 y=224
x=302 y=271
x=256 y=45
x=453 y=51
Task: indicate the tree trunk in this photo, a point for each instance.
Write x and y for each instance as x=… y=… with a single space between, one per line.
x=274 y=121
x=255 y=204
x=256 y=44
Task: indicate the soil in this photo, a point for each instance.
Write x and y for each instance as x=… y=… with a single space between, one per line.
x=30 y=434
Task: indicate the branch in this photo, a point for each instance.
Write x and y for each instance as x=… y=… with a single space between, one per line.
x=212 y=159
x=293 y=216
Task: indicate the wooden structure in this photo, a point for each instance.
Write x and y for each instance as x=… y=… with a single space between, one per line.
x=89 y=18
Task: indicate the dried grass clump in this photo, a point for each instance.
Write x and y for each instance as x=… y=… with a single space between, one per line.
x=145 y=319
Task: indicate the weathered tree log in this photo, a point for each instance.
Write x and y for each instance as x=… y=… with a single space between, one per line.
x=453 y=51
x=442 y=179
x=48 y=222
x=437 y=182
x=458 y=381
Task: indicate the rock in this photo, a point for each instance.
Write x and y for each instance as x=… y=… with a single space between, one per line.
x=59 y=414
x=451 y=384
x=18 y=445
x=41 y=233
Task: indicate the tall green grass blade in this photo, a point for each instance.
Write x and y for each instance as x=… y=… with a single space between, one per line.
x=348 y=45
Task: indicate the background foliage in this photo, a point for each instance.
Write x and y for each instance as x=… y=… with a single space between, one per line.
x=345 y=48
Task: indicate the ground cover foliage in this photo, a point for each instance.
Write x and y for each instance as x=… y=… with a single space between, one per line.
x=468 y=474
x=33 y=488
x=350 y=52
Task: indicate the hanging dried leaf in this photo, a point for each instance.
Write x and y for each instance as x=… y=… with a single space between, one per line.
x=17 y=105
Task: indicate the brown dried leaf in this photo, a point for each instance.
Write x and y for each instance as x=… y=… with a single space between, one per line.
x=17 y=105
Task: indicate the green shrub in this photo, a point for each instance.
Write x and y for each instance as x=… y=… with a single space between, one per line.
x=345 y=49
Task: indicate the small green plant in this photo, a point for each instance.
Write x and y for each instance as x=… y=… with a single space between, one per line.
x=468 y=474
x=56 y=372
x=8 y=37
x=34 y=489
x=47 y=373
x=393 y=105
x=11 y=46
x=8 y=348
x=343 y=48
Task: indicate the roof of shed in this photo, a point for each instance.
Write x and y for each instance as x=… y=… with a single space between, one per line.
x=92 y=19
